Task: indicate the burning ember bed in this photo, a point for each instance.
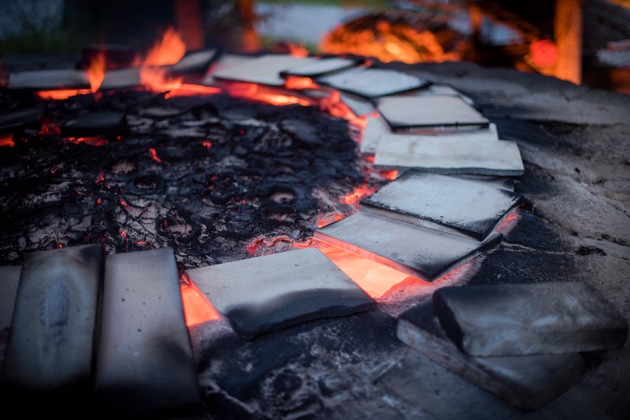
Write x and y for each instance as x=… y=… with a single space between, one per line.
x=348 y=239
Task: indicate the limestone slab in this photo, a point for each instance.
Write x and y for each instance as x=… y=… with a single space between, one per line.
x=121 y=79
x=263 y=294
x=527 y=382
x=49 y=354
x=377 y=127
x=321 y=67
x=537 y=318
x=264 y=70
x=49 y=80
x=195 y=61
x=359 y=106
x=412 y=249
x=373 y=82
x=444 y=203
x=145 y=365
x=404 y=112
x=449 y=156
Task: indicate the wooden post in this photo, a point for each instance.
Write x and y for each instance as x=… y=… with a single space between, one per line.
x=568 y=35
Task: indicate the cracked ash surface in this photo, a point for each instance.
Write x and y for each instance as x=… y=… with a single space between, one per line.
x=575 y=227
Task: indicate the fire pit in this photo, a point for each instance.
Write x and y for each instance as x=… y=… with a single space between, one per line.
x=226 y=168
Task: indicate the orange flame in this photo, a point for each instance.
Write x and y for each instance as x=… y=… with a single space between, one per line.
x=197 y=308
x=96 y=71
x=168 y=50
x=158 y=79
x=7 y=141
x=261 y=94
x=297 y=50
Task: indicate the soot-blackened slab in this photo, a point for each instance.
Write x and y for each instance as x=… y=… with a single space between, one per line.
x=372 y=82
x=145 y=365
x=449 y=156
x=263 y=294
x=537 y=318
x=526 y=382
x=412 y=249
x=444 y=203
x=321 y=67
x=9 y=280
x=94 y=124
x=406 y=112
x=49 y=355
x=49 y=80
x=13 y=120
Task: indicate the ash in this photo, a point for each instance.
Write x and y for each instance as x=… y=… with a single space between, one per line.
x=208 y=176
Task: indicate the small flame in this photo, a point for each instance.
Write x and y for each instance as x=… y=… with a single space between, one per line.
x=168 y=50
x=261 y=94
x=159 y=79
x=197 y=308
x=96 y=71
x=297 y=50
x=7 y=141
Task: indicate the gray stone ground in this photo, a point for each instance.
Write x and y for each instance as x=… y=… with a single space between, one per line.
x=574 y=227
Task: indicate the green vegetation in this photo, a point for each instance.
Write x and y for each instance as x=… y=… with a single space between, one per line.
x=34 y=32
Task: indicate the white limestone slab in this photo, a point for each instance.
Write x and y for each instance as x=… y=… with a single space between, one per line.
x=377 y=127
x=320 y=67
x=195 y=61
x=404 y=112
x=372 y=82
x=263 y=294
x=443 y=202
x=415 y=250
x=449 y=155
x=121 y=78
x=49 y=79
x=263 y=70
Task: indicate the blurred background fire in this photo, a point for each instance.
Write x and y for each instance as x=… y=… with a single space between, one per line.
x=582 y=41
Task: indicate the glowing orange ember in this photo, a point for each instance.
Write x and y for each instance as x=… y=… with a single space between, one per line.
x=297 y=50
x=62 y=94
x=197 y=308
x=374 y=278
x=92 y=141
x=192 y=90
x=154 y=155
x=357 y=195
